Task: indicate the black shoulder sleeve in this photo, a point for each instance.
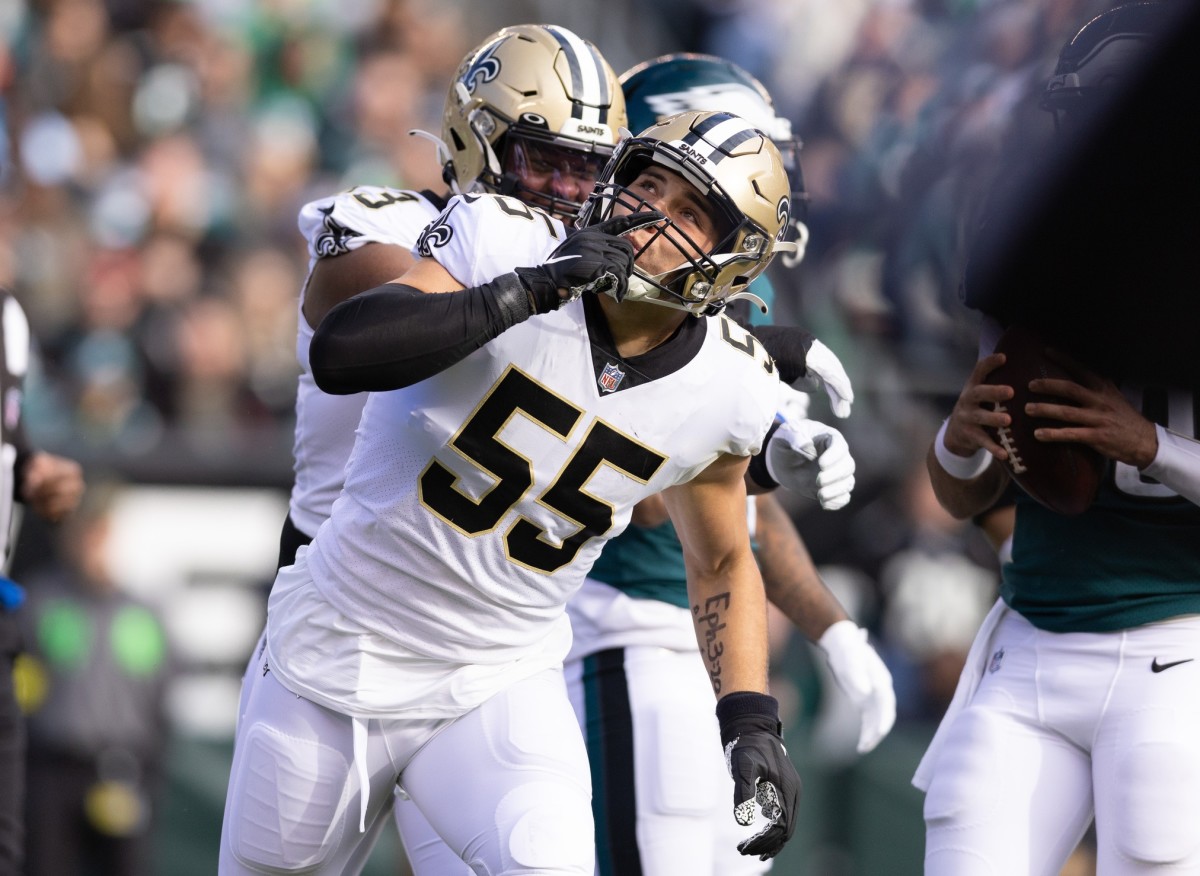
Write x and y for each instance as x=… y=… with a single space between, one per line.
x=788 y=346
x=393 y=336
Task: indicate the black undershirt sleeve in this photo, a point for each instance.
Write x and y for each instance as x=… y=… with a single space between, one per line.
x=788 y=346
x=394 y=335
x=757 y=471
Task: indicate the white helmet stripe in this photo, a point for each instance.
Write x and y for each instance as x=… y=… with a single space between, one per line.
x=589 y=85
x=719 y=134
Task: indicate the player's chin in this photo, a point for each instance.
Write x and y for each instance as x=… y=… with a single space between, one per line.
x=660 y=258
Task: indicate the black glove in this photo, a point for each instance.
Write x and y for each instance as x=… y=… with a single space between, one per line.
x=762 y=773
x=593 y=259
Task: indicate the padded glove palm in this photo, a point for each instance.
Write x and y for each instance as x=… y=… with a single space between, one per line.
x=813 y=460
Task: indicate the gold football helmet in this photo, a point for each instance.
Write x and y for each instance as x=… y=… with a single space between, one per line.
x=741 y=174
x=533 y=112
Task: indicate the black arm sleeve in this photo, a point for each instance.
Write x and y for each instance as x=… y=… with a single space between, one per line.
x=788 y=346
x=393 y=336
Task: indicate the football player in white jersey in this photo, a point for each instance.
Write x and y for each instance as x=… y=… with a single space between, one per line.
x=512 y=424
x=512 y=124
x=533 y=111
x=642 y=698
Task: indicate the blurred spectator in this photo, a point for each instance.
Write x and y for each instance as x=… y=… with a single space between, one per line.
x=935 y=592
x=50 y=486
x=141 y=127
x=92 y=684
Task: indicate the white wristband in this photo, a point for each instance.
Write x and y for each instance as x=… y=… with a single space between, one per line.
x=1177 y=464
x=963 y=468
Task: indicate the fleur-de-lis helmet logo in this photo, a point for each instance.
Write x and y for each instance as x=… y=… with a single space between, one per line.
x=483 y=68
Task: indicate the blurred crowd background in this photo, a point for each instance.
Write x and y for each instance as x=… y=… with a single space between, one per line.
x=154 y=155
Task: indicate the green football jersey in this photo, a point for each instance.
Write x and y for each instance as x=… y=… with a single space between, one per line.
x=645 y=563
x=1131 y=558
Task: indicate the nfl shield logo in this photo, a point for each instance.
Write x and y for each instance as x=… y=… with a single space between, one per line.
x=611 y=378
x=996 y=660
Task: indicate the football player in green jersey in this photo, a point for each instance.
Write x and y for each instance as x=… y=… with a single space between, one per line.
x=1080 y=695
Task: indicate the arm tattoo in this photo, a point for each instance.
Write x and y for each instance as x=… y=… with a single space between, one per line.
x=712 y=622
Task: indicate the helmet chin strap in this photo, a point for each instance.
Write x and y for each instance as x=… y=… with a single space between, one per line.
x=749 y=296
x=509 y=183
x=641 y=289
x=489 y=154
x=791 y=252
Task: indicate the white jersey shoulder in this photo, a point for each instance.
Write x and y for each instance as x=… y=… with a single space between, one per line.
x=325 y=424
x=365 y=214
x=478 y=237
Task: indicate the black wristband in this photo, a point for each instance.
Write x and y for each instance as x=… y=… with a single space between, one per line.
x=743 y=703
x=758 y=462
x=543 y=293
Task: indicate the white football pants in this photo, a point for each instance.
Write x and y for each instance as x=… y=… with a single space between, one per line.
x=663 y=800
x=427 y=853
x=1063 y=724
x=506 y=785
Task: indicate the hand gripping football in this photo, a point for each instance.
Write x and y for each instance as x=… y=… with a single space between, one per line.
x=1062 y=476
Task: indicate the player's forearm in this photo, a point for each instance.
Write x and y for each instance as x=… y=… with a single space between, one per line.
x=338 y=278
x=394 y=335
x=730 y=617
x=964 y=498
x=789 y=574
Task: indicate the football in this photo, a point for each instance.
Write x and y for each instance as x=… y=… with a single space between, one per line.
x=1062 y=476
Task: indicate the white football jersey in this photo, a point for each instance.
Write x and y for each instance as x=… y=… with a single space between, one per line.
x=476 y=500
x=325 y=424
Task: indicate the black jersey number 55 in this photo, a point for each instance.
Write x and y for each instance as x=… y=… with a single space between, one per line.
x=478 y=441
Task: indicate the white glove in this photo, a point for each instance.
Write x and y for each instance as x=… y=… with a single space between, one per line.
x=813 y=460
x=863 y=677
x=792 y=404
x=825 y=371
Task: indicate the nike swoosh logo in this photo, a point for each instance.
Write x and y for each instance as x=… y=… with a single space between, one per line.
x=1155 y=666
